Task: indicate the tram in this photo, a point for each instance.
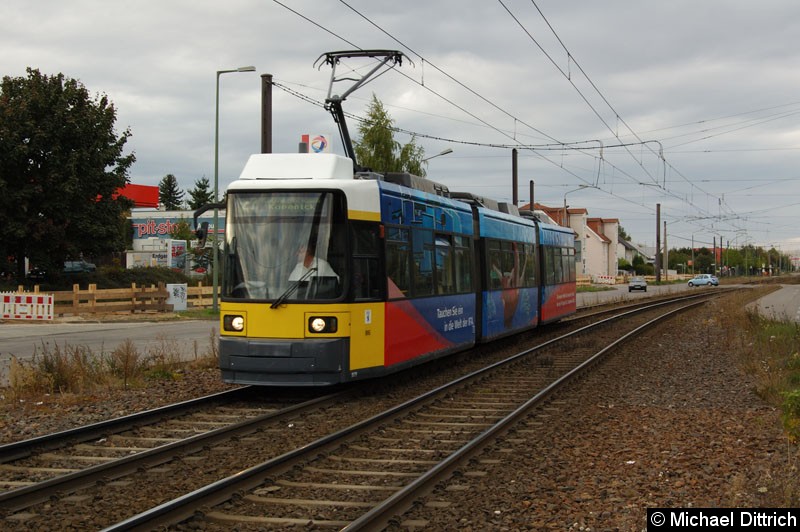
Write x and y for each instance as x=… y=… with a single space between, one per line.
x=333 y=275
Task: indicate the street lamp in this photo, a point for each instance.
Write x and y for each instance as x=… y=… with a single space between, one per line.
x=443 y=152
x=215 y=304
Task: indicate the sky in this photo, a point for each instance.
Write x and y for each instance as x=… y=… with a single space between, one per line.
x=615 y=106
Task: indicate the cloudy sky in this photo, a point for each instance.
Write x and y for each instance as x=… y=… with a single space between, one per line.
x=615 y=106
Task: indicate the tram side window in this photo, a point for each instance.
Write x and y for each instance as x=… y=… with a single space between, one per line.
x=510 y=264
x=422 y=262
x=529 y=261
x=463 y=264
x=494 y=261
x=572 y=277
x=444 y=265
x=558 y=266
x=398 y=261
x=366 y=271
x=549 y=261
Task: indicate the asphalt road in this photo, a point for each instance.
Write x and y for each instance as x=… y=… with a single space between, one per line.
x=187 y=339
x=781 y=305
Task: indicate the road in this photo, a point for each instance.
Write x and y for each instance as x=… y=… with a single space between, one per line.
x=781 y=305
x=620 y=292
x=187 y=338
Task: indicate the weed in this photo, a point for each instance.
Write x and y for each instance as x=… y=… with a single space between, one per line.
x=79 y=370
x=126 y=363
x=769 y=351
x=791 y=413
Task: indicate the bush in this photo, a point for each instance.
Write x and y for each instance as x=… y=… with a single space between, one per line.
x=114 y=277
x=791 y=414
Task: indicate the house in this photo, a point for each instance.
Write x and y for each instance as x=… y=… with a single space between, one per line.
x=628 y=251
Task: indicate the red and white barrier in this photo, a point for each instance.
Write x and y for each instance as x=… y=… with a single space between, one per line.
x=30 y=307
x=604 y=279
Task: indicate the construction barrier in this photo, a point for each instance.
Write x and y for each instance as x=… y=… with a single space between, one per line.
x=604 y=279
x=24 y=306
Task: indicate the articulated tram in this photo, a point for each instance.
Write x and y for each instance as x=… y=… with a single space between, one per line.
x=332 y=276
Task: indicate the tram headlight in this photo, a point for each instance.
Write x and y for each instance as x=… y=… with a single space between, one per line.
x=233 y=323
x=322 y=324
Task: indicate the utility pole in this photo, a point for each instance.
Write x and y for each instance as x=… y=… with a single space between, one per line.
x=266 y=113
x=658 y=243
x=714 y=256
x=666 y=254
x=514 y=178
x=531 y=195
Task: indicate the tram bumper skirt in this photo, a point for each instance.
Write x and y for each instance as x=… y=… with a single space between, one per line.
x=316 y=361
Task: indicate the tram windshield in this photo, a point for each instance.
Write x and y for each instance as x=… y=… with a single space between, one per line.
x=284 y=246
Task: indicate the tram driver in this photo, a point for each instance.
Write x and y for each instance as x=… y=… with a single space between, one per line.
x=306 y=261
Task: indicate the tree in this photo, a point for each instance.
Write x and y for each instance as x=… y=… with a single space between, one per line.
x=169 y=194
x=61 y=164
x=201 y=194
x=379 y=151
x=181 y=230
x=639 y=266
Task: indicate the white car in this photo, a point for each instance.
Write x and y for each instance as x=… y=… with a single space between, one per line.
x=704 y=279
x=637 y=283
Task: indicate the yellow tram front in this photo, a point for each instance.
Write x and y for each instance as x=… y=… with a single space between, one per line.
x=301 y=299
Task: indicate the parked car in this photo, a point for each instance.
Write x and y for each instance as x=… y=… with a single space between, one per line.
x=704 y=279
x=637 y=283
x=79 y=266
x=36 y=274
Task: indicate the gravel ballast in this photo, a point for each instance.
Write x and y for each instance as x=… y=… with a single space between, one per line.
x=669 y=421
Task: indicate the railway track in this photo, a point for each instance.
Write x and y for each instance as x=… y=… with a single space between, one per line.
x=44 y=468
x=367 y=474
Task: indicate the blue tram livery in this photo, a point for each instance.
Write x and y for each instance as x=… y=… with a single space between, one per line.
x=331 y=276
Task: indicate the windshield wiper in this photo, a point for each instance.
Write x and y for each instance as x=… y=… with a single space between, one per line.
x=278 y=302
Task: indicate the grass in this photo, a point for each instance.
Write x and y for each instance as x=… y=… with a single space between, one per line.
x=79 y=370
x=769 y=352
x=199 y=313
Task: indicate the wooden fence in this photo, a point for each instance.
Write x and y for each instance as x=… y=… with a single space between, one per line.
x=151 y=298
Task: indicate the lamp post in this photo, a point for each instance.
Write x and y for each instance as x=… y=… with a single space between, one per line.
x=215 y=303
x=443 y=152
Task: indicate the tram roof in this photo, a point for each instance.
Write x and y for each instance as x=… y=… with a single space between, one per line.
x=297 y=166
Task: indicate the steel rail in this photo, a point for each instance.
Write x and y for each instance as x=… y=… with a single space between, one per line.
x=24 y=448
x=24 y=497
x=183 y=507
x=400 y=501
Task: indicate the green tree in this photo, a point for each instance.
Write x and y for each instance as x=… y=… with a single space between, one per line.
x=703 y=260
x=181 y=230
x=169 y=194
x=639 y=265
x=201 y=194
x=60 y=165
x=379 y=151
x=679 y=259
